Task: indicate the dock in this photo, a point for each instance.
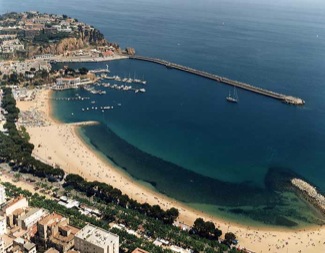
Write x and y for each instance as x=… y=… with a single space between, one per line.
x=245 y=86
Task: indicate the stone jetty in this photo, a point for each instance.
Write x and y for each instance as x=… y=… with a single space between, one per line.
x=317 y=198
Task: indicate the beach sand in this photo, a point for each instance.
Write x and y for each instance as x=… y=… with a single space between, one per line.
x=58 y=143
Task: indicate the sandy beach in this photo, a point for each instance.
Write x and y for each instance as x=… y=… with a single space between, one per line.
x=58 y=143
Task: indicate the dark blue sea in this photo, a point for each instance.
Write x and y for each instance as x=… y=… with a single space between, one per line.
x=182 y=136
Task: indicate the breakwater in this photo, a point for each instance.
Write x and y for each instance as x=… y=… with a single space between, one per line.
x=245 y=86
x=83 y=123
x=311 y=192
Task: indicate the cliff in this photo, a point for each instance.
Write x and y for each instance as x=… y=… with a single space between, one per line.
x=60 y=47
x=92 y=36
x=79 y=40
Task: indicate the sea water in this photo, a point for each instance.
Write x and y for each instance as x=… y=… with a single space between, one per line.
x=182 y=136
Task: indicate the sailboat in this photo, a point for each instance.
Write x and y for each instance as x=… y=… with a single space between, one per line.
x=233 y=98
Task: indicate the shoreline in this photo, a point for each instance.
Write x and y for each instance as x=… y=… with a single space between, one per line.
x=76 y=59
x=76 y=156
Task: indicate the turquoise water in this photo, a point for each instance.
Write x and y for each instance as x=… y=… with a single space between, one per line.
x=181 y=136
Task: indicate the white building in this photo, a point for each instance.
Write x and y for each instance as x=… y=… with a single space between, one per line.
x=31 y=218
x=2 y=245
x=67 y=83
x=92 y=239
x=19 y=202
x=2 y=192
x=179 y=249
x=3 y=225
x=21 y=245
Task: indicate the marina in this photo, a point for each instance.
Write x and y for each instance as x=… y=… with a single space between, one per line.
x=71 y=98
x=94 y=108
x=245 y=86
x=124 y=80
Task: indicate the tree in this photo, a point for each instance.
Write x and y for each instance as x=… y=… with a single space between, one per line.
x=41 y=38
x=83 y=71
x=199 y=226
x=69 y=71
x=13 y=78
x=217 y=233
x=171 y=215
x=36 y=83
x=44 y=74
x=17 y=176
x=230 y=237
x=206 y=229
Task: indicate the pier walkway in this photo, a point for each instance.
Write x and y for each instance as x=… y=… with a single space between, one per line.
x=284 y=98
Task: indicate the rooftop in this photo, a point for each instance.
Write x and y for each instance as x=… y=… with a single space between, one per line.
x=50 y=218
x=97 y=236
x=31 y=212
x=18 y=211
x=29 y=245
x=138 y=250
x=51 y=250
x=16 y=200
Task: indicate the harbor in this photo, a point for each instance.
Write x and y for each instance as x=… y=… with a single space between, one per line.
x=245 y=86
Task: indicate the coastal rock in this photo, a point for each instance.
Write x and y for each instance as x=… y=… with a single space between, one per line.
x=311 y=192
x=130 y=51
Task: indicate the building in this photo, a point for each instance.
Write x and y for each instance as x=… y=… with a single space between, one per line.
x=177 y=249
x=20 y=245
x=52 y=250
x=66 y=83
x=48 y=225
x=92 y=239
x=2 y=245
x=3 y=225
x=68 y=203
x=19 y=202
x=43 y=56
x=2 y=191
x=54 y=231
x=138 y=250
x=7 y=242
x=30 y=247
x=16 y=215
x=63 y=240
x=31 y=218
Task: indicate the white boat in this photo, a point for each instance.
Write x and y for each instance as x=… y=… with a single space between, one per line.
x=233 y=98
